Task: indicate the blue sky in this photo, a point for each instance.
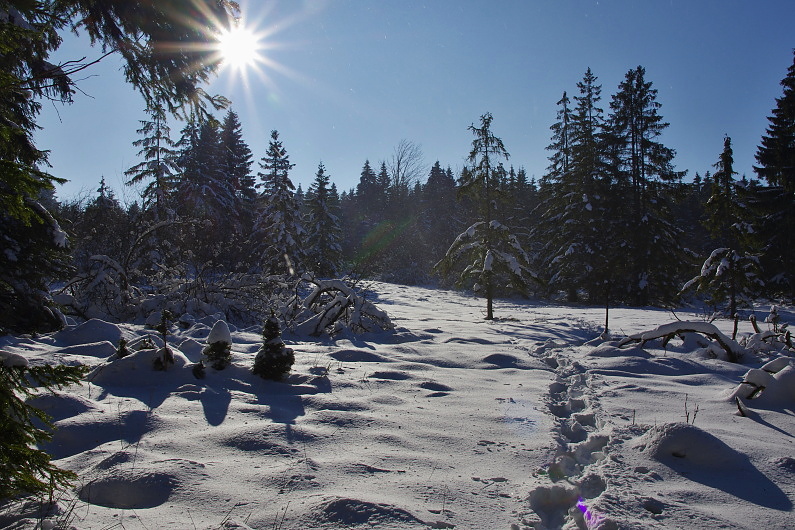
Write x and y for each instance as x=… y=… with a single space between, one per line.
x=346 y=80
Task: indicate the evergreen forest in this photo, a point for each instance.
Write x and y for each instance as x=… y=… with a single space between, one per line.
x=612 y=220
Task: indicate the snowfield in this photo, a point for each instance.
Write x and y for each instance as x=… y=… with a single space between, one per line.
x=450 y=421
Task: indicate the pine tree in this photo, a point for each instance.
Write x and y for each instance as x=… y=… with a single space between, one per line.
x=274 y=360
x=776 y=204
x=102 y=228
x=237 y=161
x=218 y=351
x=278 y=231
x=158 y=168
x=648 y=264
x=574 y=225
x=368 y=197
x=439 y=211
x=32 y=244
x=324 y=249
x=492 y=253
x=24 y=468
x=732 y=269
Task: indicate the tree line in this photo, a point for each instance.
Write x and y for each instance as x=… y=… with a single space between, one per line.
x=611 y=221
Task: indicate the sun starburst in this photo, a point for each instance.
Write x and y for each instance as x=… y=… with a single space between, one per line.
x=239 y=47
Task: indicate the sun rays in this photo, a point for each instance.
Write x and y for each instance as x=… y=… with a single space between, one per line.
x=240 y=47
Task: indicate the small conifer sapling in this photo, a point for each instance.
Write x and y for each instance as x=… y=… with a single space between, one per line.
x=122 y=351
x=218 y=351
x=274 y=360
x=166 y=357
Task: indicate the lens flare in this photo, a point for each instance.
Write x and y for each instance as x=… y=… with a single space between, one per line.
x=592 y=518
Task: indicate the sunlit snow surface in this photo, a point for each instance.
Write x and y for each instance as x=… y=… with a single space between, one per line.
x=450 y=421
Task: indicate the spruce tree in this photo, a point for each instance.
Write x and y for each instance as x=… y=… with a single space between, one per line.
x=278 y=232
x=439 y=211
x=731 y=271
x=103 y=227
x=32 y=244
x=236 y=167
x=207 y=205
x=236 y=157
x=218 y=351
x=649 y=255
x=323 y=241
x=24 y=468
x=492 y=255
x=574 y=227
x=561 y=140
x=368 y=197
x=776 y=204
x=158 y=168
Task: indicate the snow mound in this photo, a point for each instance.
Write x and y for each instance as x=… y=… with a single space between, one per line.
x=683 y=443
x=609 y=349
x=136 y=369
x=101 y=349
x=354 y=512
x=12 y=360
x=501 y=360
x=357 y=356
x=129 y=489
x=191 y=348
x=61 y=406
x=90 y=331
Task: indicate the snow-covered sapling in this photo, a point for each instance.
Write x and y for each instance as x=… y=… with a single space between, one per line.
x=218 y=351
x=122 y=351
x=198 y=370
x=165 y=357
x=773 y=318
x=274 y=360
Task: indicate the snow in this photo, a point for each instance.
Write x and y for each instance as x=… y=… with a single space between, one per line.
x=448 y=421
x=219 y=333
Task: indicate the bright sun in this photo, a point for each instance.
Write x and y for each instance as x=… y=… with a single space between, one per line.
x=239 y=47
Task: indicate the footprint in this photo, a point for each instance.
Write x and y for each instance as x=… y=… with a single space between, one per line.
x=552 y=504
x=653 y=505
x=592 y=485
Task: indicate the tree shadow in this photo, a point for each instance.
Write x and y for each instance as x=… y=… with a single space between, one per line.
x=215 y=402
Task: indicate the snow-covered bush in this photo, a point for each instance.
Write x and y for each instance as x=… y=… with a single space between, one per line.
x=102 y=291
x=274 y=360
x=218 y=351
x=331 y=307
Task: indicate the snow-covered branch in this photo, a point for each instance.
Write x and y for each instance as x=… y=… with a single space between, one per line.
x=668 y=331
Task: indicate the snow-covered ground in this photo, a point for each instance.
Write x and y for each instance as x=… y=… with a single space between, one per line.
x=449 y=422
